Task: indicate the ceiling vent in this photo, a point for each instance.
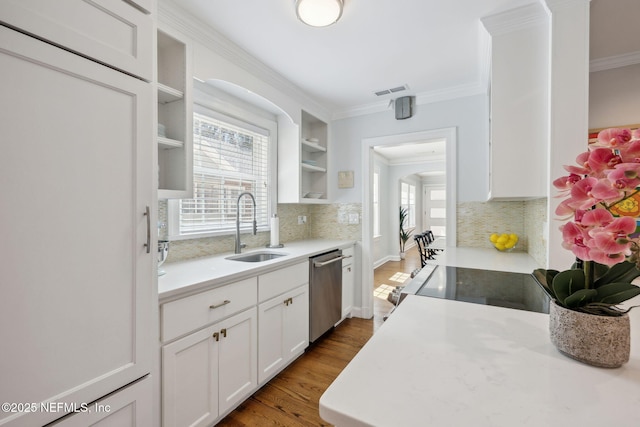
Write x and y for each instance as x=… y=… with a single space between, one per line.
x=392 y=90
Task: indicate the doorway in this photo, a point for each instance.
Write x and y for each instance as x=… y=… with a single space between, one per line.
x=449 y=136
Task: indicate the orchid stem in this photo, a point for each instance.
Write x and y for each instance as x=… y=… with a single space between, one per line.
x=589 y=274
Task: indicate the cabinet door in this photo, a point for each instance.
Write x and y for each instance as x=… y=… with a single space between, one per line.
x=284 y=331
x=76 y=166
x=109 y=31
x=190 y=381
x=271 y=321
x=129 y=407
x=296 y=321
x=237 y=369
x=347 y=290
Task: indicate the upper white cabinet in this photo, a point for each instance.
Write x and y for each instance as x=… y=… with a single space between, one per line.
x=112 y=32
x=519 y=102
x=175 y=121
x=303 y=160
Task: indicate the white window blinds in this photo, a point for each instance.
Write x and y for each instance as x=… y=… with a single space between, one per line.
x=230 y=157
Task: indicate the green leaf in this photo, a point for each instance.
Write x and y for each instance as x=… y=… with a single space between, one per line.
x=580 y=298
x=623 y=272
x=615 y=293
x=567 y=282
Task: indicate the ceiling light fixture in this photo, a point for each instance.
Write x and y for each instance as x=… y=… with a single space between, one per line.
x=319 y=13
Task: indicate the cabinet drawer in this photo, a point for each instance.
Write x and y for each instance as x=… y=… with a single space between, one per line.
x=190 y=313
x=108 y=31
x=283 y=280
x=347 y=252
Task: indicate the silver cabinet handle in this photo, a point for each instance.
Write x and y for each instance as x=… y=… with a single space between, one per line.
x=148 y=215
x=322 y=264
x=225 y=302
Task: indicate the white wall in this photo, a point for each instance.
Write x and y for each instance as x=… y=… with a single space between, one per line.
x=614 y=97
x=469 y=115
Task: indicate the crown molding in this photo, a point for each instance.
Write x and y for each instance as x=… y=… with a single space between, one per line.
x=616 y=61
x=515 y=19
x=174 y=16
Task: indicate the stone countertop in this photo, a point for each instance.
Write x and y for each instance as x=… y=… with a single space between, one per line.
x=486 y=258
x=438 y=362
x=184 y=278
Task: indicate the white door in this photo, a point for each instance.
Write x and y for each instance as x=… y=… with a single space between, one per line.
x=190 y=379
x=296 y=322
x=76 y=173
x=238 y=363
x=271 y=327
x=110 y=31
x=434 y=199
x=130 y=407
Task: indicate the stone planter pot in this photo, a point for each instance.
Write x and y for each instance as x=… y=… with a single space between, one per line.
x=601 y=341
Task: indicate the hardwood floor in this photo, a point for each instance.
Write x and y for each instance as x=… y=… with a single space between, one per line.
x=386 y=278
x=292 y=397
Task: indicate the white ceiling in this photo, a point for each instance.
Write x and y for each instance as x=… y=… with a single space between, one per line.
x=429 y=45
x=433 y=46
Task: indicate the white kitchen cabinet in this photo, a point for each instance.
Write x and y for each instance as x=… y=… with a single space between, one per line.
x=303 y=160
x=519 y=103
x=283 y=324
x=347 y=282
x=207 y=373
x=112 y=32
x=76 y=316
x=130 y=407
x=175 y=116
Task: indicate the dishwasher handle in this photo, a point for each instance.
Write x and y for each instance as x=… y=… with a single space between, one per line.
x=318 y=264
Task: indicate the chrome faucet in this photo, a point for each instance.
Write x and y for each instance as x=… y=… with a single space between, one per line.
x=239 y=245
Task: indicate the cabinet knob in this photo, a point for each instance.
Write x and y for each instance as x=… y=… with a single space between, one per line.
x=216 y=336
x=224 y=332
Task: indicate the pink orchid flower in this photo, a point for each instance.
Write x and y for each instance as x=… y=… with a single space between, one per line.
x=574 y=238
x=602 y=159
x=613 y=137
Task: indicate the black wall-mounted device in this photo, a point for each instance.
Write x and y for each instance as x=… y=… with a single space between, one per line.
x=403 y=107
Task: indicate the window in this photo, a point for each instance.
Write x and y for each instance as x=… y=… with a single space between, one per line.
x=408 y=201
x=229 y=157
x=376 y=202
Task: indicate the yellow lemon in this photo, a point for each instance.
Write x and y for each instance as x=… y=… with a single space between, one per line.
x=493 y=238
x=513 y=237
x=502 y=239
x=510 y=243
x=500 y=246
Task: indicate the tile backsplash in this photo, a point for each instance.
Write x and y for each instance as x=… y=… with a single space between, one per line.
x=322 y=221
x=478 y=220
x=343 y=221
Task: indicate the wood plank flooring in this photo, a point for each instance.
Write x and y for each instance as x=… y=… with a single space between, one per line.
x=292 y=397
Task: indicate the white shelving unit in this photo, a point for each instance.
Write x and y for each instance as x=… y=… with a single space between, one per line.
x=303 y=161
x=175 y=152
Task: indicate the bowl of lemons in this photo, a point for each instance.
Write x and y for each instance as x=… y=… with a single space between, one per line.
x=504 y=242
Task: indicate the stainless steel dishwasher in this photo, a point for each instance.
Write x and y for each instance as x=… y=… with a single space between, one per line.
x=325 y=292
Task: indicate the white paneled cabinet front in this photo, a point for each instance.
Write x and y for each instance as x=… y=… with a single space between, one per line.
x=113 y=32
x=130 y=407
x=283 y=331
x=76 y=316
x=347 y=282
x=209 y=372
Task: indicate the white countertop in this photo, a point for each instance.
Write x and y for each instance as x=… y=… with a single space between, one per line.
x=438 y=362
x=186 y=277
x=486 y=258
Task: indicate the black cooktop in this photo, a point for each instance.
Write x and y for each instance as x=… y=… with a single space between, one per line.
x=499 y=288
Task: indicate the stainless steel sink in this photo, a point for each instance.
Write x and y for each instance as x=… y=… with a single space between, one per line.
x=256 y=256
